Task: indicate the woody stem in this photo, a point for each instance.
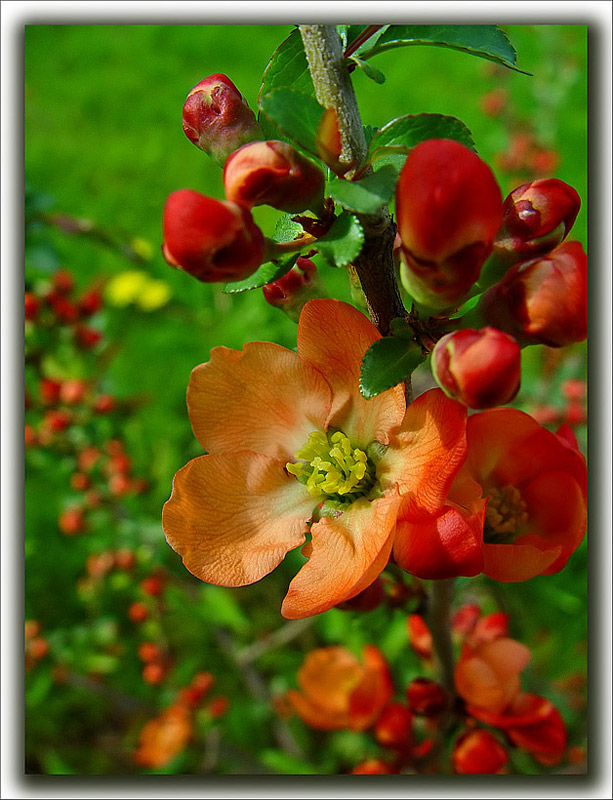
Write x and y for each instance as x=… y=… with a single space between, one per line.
x=375 y=264
x=439 y=622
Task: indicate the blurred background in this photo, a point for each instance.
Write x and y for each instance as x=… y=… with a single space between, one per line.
x=116 y=628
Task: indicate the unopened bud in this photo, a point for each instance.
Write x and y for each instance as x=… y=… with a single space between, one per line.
x=273 y=173
x=210 y=239
x=301 y=284
x=478 y=752
x=537 y=216
x=394 y=727
x=425 y=697
x=217 y=119
x=449 y=209
x=543 y=301
x=481 y=369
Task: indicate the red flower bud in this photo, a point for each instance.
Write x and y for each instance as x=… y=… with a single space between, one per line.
x=65 y=310
x=449 y=209
x=49 y=391
x=478 y=752
x=124 y=558
x=218 y=706
x=217 y=119
x=275 y=174
x=481 y=369
x=154 y=673
x=90 y=303
x=210 y=239
x=32 y=306
x=537 y=217
x=152 y=585
x=79 y=481
x=138 y=612
x=104 y=404
x=420 y=637
x=72 y=391
x=294 y=289
x=87 y=338
x=373 y=766
x=71 y=521
x=542 y=301
x=425 y=697
x=394 y=727
x=149 y=651
x=57 y=421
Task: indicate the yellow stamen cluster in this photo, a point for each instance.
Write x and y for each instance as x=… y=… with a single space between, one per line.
x=506 y=511
x=329 y=466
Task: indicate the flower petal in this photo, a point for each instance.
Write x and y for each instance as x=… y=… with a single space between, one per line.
x=233 y=516
x=333 y=336
x=509 y=563
x=425 y=453
x=265 y=399
x=345 y=556
x=447 y=545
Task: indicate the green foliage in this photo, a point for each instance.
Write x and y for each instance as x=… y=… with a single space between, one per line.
x=367 y=195
x=296 y=114
x=266 y=273
x=288 y=67
x=484 y=41
x=343 y=242
x=386 y=363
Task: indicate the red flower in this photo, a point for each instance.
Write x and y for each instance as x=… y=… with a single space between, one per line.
x=535 y=482
x=210 y=239
x=543 y=301
x=532 y=723
x=478 y=752
x=480 y=369
x=449 y=209
x=273 y=173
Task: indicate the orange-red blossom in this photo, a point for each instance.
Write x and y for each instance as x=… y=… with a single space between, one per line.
x=338 y=692
x=296 y=456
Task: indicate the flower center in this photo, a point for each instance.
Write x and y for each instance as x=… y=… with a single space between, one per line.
x=331 y=468
x=505 y=514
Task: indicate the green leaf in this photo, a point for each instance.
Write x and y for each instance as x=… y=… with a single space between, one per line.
x=285 y=764
x=221 y=608
x=343 y=241
x=353 y=31
x=386 y=363
x=393 y=142
x=371 y=72
x=288 y=67
x=286 y=230
x=296 y=114
x=483 y=41
x=468 y=306
x=266 y=273
x=367 y=195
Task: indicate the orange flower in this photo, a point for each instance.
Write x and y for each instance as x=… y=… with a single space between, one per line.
x=339 y=692
x=294 y=449
x=536 y=485
x=478 y=752
x=164 y=737
x=487 y=676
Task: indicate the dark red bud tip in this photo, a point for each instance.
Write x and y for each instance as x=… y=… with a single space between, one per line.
x=480 y=369
x=273 y=173
x=210 y=239
x=543 y=301
x=449 y=209
x=217 y=119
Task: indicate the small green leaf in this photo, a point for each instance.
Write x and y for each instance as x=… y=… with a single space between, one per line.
x=366 y=196
x=483 y=41
x=286 y=230
x=288 y=67
x=296 y=114
x=401 y=328
x=393 y=142
x=371 y=72
x=285 y=764
x=266 y=273
x=386 y=363
x=343 y=241
x=353 y=31
x=468 y=306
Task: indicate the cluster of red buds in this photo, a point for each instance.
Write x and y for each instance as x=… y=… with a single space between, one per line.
x=57 y=305
x=572 y=413
x=217 y=240
x=458 y=239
